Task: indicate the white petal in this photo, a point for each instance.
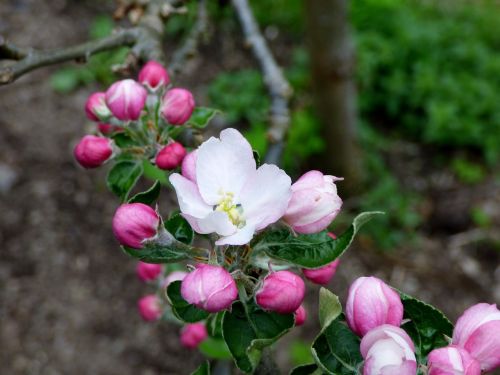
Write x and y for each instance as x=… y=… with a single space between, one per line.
x=241 y=237
x=190 y=200
x=223 y=166
x=265 y=196
x=217 y=222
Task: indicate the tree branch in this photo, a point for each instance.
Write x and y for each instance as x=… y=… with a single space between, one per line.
x=190 y=45
x=278 y=87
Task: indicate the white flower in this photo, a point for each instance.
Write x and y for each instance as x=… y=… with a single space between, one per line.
x=231 y=197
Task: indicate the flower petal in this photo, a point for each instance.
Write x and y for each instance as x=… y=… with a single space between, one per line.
x=241 y=237
x=223 y=166
x=265 y=196
x=190 y=200
x=217 y=222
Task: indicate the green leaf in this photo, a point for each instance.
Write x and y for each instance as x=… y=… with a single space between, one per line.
x=180 y=229
x=65 y=80
x=202 y=116
x=123 y=176
x=311 y=250
x=181 y=308
x=149 y=196
x=247 y=330
x=215 y=348
x=427 y=326
x=204 y=369
x=154 y=173
x=336 y=348
x=214 y=324
x=256 y=156
x=122 y=140
x=311 y=369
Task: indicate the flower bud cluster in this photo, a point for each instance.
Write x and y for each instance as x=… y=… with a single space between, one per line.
x=145 y=111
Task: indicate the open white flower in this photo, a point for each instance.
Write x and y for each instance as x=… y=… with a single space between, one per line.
x=230 y=196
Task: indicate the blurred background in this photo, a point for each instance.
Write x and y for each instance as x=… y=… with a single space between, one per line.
x=401 y=97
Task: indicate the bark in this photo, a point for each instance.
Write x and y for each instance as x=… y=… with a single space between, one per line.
x=332 y=66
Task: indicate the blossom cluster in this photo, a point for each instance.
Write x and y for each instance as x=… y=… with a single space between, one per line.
x=122 y=109
x=374 y=311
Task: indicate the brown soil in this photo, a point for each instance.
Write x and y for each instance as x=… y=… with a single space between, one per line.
x=68 y=294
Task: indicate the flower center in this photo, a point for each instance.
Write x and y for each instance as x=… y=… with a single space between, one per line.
x=233 y=211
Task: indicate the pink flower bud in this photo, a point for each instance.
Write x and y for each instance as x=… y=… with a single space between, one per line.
x=177 y=106
x=210 y=288
x=323 y=275
x=314 y=203
x=170 y=156
x=126 y=99
x=153 y=75
x=193 y=335
x=173 y=276
x=371 y=303
x=478 y=332
x=388 y=350
x=148 y=271
x=108 y=128
x=281 y=291
x=300 y=315
x=150 y=308
x=92 y=151
x=189 y=166
x=452 y=360
x=95 y=107
x=135 y=223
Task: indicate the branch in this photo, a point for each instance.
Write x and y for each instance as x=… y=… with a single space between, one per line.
x=278 y=87
x=190 y=46
x=29 y=59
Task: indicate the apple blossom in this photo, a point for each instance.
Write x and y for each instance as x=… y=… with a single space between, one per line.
x=188 y=167
x=371 y=303
x=300 y=315
x=452 y=360
x=230 y=196
x=314 y=203
x=209 y=287
x=193 y=335
x=478 y=332
x=126 y=99
x=95 y=106
x=388 y=350
x=148 y=271
x=323 y=275
x=154 y=76
x=177 y=106
x=93 y=151
x=108 y=128
x=173 y=276
x=150 y=307
x=170 y=156
x=135 y=223
x=281 y=291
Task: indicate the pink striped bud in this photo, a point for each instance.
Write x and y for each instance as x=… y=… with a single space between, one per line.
x=177 y=106
x=210 y=288
x=148 y=271
x=323 y=275
x=126 y=99
x=173 y=276
x=193 y=335
x=388 y=350
x=135 y=223
x=150 y=308
x=314 y=203
x=154 y=76
x=189 y=166
x=281 y=291
x=371 y=303
x=95 y=107
x=92 y=151
x=478 y=332
x=300 y=315
x=452 y=360
x=170 y=156
x=107 y=129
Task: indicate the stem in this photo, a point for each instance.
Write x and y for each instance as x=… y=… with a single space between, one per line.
x=267 y=364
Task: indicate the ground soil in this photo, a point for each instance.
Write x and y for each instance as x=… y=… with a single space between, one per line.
x=68 y=294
